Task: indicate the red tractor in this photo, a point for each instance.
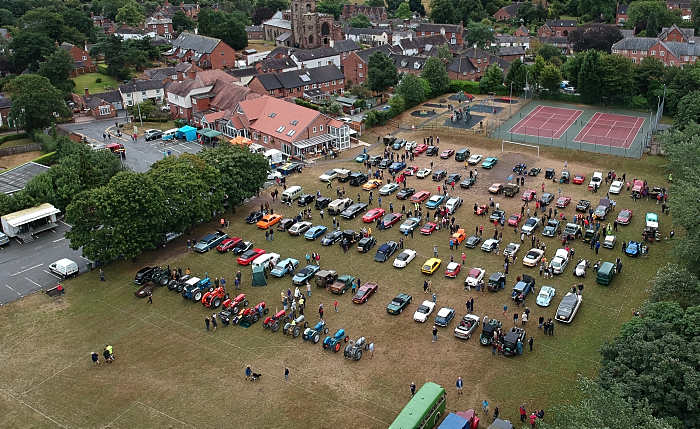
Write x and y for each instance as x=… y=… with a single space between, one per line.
x=214 y=298
x=273 y=322
x=233 y=305
x=250 y=315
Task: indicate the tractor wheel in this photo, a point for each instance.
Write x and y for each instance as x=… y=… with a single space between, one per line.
x=347 y=353
x=216 y=303
x=266 y=325
x=325 y=331
x=245 y=303
x=235 y=309
x=286 y=319
x=225 y=297
x=336 y=349
x=366 y=346
x=346 y=339
x=163 y=281
x=306 y=325
x=197 y=296
x=325 y=346
x=256 y=317
x=211 y=288
x=296 y=331
x=358 y=354
x=315 y=339
x=267 y=310
x=179 y=288
x=275 y=326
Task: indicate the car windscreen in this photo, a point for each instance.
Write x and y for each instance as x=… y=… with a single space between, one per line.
x=402 y=256
x=423 y=309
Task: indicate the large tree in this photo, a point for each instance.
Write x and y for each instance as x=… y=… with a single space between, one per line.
x=435 y=73
x=360 y=21
x=34 y=101
x=642 y=10
x=599 y=10
x=572 y=67
x=182 y=22
x=673 y=283
x=443 y=12
x=411 y=89
x=550 y=78
x=469 y=10
x=600 y=37
x=404 y=11
x=549 y=51
x=589 y=81
x=381 y=72
x=57 y=69
x=527 y=11
x=492 y=78
x=647 y=76
x=331 y=7
x=517 y=75
x=375 y=3
x=617 y=78
x=479 y=34
x=417 y=6
x=261 y=14
x=232 y=32
x=131 y=13
x=42 y=21
x=29 y=49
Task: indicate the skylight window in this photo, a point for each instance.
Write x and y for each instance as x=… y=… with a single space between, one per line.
x=291 y=133
x=294 y=122
x=280 y=129
x=305 y=78
x=272 y=115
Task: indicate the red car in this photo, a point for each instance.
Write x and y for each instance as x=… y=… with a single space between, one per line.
x=420 y=148
x=428 y=228
x=529 y=195
x=481 y=209
x=228 y=244
x=249 y=256
x=364 y=293
x=453 y=269
x=514 y=219
x=579 y=179
x=562 y=202
x=391 y=219
x=419 y=197
x=624 y=217
x=373 y=215
x=410 y=170
x=447 y=153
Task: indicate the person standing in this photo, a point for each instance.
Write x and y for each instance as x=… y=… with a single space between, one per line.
x=533 y=420
x=551 y=327
x=102 y=275
x=523 y=413
x=95 y=358
x=320 y=310
x=435 y=333
x=530 y=342
x=207 y=321
x=213 y=320
x=485 y=406
x=460 y=384
x=413 y=389
x=150 y=297
x=335 y=305
x=495 y=413
x=371 y=350
x=248 y=372
x=105 y=354
x=286 y=373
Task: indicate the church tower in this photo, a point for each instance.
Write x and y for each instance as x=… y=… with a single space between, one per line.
x=305 y=32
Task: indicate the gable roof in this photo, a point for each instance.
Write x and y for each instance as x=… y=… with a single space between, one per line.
x=254 y=28
x=67 y=46
x=268 y=114
x=5 y=102
x=239 y=73
x=622 y=9
x=203 y=78
x=510 y=50
x=300 y=78
x=346 y=46
x=228 y=95
x=561 y=23
x=311 y=54
x=195 y=42
x=437 y=28
x=408 y=62
x=167 y=71
x=636 y=43
x=423 y=42
x=140 y=85
x=161 y=20
x=279 y=23
x=370 y=31
x=277 y=64
x=511 y=9
x=688 y=33
x=366 y=53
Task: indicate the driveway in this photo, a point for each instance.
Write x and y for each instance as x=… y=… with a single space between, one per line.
x=24 y=268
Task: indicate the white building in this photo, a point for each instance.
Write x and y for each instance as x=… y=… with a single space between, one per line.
x=139 y=90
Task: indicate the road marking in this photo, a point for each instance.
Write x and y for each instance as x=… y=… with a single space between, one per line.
x=69 y=226
x=14 y=290
x=50 y=273
x=62 y=238
x=7 y=286
x=23 y=271
x=33 y=281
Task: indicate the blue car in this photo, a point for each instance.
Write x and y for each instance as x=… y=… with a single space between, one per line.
x=315 y=232
x=284 y=267
x=362 y=157
x=489 y=162
x=633 y=249
x=398 y=144
x=409 y=224
x=396 y=167
x=545 y=296
x=305 y=274
x=444 y=316
x=332 y=238
x=434 y=201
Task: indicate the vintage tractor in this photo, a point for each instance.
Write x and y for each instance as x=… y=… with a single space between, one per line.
x=273 y=322
x=293 y=328
x=178 y=284
x=335 y=341
x=213 y=299
x=196 y=288
x=314 y=334
x=354 y=349
x=161 y=276
x=250 y=315
x=233 y=305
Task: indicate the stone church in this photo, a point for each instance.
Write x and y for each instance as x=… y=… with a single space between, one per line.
x=312 y=29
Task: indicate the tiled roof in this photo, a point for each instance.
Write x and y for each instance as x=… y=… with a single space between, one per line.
x=422 y=42
x=312 y=54
x=167 y=71
x=229 y=94
x=268 y=114
x=293 y=79
x=511 y=50
x=680 y=49
x=636 y=43
x=561 y=23
x=284 y=36
x=438 y=28
x=346 y=46
x=239 y=73
x=254 y=28
x=366 y=53
x=140 y=85
x=277 y=64
x=627 y=33
x=369 y=31
x=511 y=9
x=622 y=9
x=5 y=102
x=408 y=62
x=688 y=33
x=111 y=96
x=162 y=20
x=461 y=65
x=554 y=40
x=195 y=42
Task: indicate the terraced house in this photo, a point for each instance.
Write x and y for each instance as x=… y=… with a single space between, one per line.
x=313 y=84
x=674 y=47
x=204 y=52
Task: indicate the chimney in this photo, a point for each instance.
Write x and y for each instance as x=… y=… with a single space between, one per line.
x=87 y=92
x=192 y=73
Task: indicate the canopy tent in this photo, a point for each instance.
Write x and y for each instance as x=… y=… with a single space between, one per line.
x=187 y=132
x=240 y=140
x=209 y=133
x=259 y=276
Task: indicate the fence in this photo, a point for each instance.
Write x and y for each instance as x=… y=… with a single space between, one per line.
x=12 y=150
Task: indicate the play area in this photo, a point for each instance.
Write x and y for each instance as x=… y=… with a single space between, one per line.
x=615 y=132
x=423 y=113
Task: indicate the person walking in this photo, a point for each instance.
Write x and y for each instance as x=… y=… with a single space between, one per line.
x=213 y=321
x=150 y=297
x=413 y=389
x=320 y=310
x=495 y=413
x=460 y=384
x=95 y=358
x=207 y=320
x=533 y=420
x=286 y=369
x=102 y=275
x=335 y=305
x=505 y=309
x=523 y=413
x=248 y=372
x=530 y=342
x=371 y=350
x=435 y=251
x=485 y=406
x=435 y=333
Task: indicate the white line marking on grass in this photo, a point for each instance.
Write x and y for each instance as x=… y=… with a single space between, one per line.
x=167 y=415
x=24 y=271
x=120 y=415
x=33 y=409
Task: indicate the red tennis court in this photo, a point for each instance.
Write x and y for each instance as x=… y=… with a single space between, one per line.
x=545 y=121
x=610 y=130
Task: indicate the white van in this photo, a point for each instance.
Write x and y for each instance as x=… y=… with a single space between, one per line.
x=291 y=194
x=64 y=268
x=169 y=135
x=265 y=260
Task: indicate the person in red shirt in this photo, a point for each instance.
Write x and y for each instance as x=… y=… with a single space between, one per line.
x=533 y=418
x=523 y=414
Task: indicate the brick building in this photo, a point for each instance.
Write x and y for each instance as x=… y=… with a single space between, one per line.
x=452 y=32
x=255 y=32
x=167 y=10
x=204 y=52
x=471 y=65
x=507 y=12
x=276 y=65
x=621 y=14
x=81 y=57
x=355 y=65
x=103 y=105
x=180 y=93
x=375 y=14
x=312 y=83
x=556 y=27
x=370 y=36
x=160 y=25
x=674 y=47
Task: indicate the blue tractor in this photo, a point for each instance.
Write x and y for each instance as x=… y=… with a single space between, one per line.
x=196 y=288
x=335 y=341
x=314 y=334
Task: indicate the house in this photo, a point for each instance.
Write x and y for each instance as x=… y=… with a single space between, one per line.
x=556 y=27
x=204 y=52
x=5 y=105
x=559 y=41
x=451 y=32
x=375 y=14
x=81 y=57
x=319 y=57
x=255 y=32
x=167 y=10
x=160 y=74
x=276 y=65
x=297 y=83
x=509 y=53
x=408 y=64
x=676 y=34
x=522 y=32
x=399 y=35
x=370 y=36
x=103 y=105
x=137 y=91
x=355 y=66
x=344 y=48
x=506 y=40
x=273 y=28
x=471 y=65
x=671 y=53
x=181 y=92
x=683 y=6
x=244 y=76
x=127 y=33
x=160 y=25
x=507 y=12
x=294 y=130
x=621 y=14
x=218 y=103
x=423 y=45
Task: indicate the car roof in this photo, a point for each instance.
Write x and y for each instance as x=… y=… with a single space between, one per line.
x=444 y=311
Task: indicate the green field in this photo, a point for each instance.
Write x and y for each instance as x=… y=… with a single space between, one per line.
x=170 y=372
x=88 y=80
x=19 y=142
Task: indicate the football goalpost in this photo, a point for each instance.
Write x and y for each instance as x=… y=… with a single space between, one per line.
x=503 y=143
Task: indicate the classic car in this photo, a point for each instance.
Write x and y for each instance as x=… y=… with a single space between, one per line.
x=496 y=188
x=624 y=217
x=352 y=211
x=474 y=159
x=315 y=232
x=547 y=198
x=423 y=173
x=410 y=170
x=467 y=182
x=210 y=241
x=447 y=153
x=497 y=215
x=241 y=247
x=284 y=267
x=423 y=311
x=514 y=219
x=579 y=179
x=581 y=267
x=299 y=228
x=583 y=205
x=397 y=305
x=467 y=326
x=459 y=236
x=228 y=244
x=568 y=307
x=406 y=256
x=439 y=175
x=388 y=189
x=390 y=219
x=405 y=193
x=475 y=276
x=364 y=293
x=545 y=296
x=431 y=265
x=328 y=175
x=434 y=201
x=489 y=245
x=420 y=148
x=453 y=204
x=562 y=202
x=550 y=229
x=332 y=237
x=385 y=251
x=534 y=171
x=366 y=244
x=473 y=241
x=371 y=184
x=305 y=274
x=533 y=257
x=489 y=162
x=419 y=197
x=249 y=256
x=531 y=225
x=409 y=224
x=453 y=269
x=444 y=316
x=396 y=167
x=268 y=220
x=373 y=214
x=511 y=249
x=529 y=195
x=305 y=200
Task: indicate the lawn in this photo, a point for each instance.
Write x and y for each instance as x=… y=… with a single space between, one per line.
x=88 y=80
x=171 y=372
x=19 y=142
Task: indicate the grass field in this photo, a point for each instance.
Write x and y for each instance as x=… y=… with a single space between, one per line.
x=88 y=80
x=170 y=372
x=19 y=142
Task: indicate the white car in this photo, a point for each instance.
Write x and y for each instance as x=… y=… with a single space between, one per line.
x=475 y=276
x=411 y=145
x=328 y=175
x=274 y=175
x=531 y=225
x=596 y=180
x=266 y=260
x=474 y=159
x=425 y=309
x=616 y=187
x=388 y=188
x=568 y=307
x=489 y=245
x=453 y=204
x=559 y=262
x=511 y=249
x=406 y=256
x=467 y=326
x=533 y=257
x=423 y=173
x=299 y=228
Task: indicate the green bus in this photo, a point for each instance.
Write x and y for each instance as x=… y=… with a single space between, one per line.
x=423 y=410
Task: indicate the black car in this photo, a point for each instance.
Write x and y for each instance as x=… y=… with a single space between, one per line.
x=439 y=175
x=510 y=343
x=547 y=198
x=534 y=171
x=241 y=247
x=357 y=179
x=405 y=193
x=519 y=168
x=144 y=275
x=376 y=159
x=352 y=211
x=366 y=244
x=549 y=173
x=583 y=206
x=432 y=151
x=255 y=216
x=322 y=203
x=332 y=237
x=285 y=224
x=497 y=215
x=468 y=182
x=385 y=251
x=305 y=200
x=384 y=163
x=454 y=177
x=472 y=241
x=568 y=307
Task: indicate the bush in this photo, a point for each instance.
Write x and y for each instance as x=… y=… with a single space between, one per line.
x=98 y=80
x=464 y=85
x=304 y=103
x=638 y=102
x=47 y=159
x=179 y=123
x=11 y=137
x=102 y=69
x=47 y=143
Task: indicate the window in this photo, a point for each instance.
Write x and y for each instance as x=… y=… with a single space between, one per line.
x=326 y=85
x=671 y=63
x=294 y=122
x=84 y=58
x=105 y=110
x=314 y=129
x=624 y=51
x=478 y=61
x=222 y=53
x=265 y=139
x=340 y=82
x=359 y=66
x=645 y=52
x=143 y=93
x=361 y=75
x=616 y=51
x=291 y=133
x=333 y=82
x=313 y=86
x=321 y=128
x=653 y=52
x=685 y=58
x=128 y=95
x=662 y=53
x=280 y=129
x=272 y=115
x=634 y=61
x=693 y=58
x=181 y=112
x=306 y=87
x=634 y=52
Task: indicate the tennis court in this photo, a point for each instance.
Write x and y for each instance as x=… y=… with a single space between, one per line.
x=547 y=121
x=615 y=130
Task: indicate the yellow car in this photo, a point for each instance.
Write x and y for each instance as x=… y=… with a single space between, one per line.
x=431 y=265
x=269 y=220
x=371 y=184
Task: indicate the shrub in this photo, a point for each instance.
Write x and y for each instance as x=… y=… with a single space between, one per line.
x=305 y=103
x=98 y=80
x=47 y=159
x=10 y=137
x=464 y=85
x=179 y=123
x=638 y=102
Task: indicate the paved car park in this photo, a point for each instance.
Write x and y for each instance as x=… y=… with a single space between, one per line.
x=25 y=267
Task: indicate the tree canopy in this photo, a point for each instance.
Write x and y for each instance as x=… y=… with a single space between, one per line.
x=34 y=101
x=131 y=13
x=360 y=21
x=435 y=73
x=479 y=34
x=381 y=73
x=492 y=78
x=589 y=77
x=404 y=11
x=600 y=37
x=412 y=90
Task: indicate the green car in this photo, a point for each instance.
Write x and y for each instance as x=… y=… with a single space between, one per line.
x=489 y=162
x=397 y=304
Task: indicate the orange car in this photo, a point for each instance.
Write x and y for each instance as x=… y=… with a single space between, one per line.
x=269 y=220
x=459 y=236
x=371 y=184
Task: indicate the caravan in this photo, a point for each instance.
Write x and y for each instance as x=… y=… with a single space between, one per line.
x=169 y=134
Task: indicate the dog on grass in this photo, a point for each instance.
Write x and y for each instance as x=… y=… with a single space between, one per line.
x=255 y=376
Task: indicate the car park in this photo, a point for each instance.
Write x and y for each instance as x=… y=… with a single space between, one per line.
x=453 y=269
x=431 y=265
x=581 y=267
x=474 y=159
x=372 y=184
x=404 y=258
x=423 y=173
x=390 y=219
x=249 y=256
x=551 y=228
x=489 y=245
x=568 y=307
x=579 y=179
x=473 y=241
x=431 y=151
x=447 y=153
x=352 y=211
x=544 y=298
x=583 y=205
x=299 y=228
x=559 y=262
x=328 y=175
x=595 y=181
x=423 y=311
x=514 y=219
x=489 y=162
x=467 y=326
x=241 y=247
x=210 y=241
x=410 y=170
x=305 y=274
x=314 y=232
x=519 y=168
x=284 y=267
x=444 y=316
x=269 y=220
x=398 y=304
x=511 y=249
x=373 y=214
x=388 y=189
x=572 y=230
x=419 y=197
x=428 y=228
x=533 y=257
x=609 y=242
x=366 y=244
x=624 y=217
x=531 y=225
x=511 y=340
x=396 y=167
x=534 y=171
x=409 y=224
x=546 y=198
x=285 y=224
x=405 y=193
x=497 y=215
x=529 y=195
x=385 y=251
x=562 y=202
x=453 y=204
x=468 y=182
x=434 y=201
x=439 y=175
x=255 y=216
x=228 y=244
x=454 y=178
x=364 y=293
x=496 y=188
x=616 y=187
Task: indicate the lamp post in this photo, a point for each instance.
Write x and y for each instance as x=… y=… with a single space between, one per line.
x=510 y=100
x=140 y=118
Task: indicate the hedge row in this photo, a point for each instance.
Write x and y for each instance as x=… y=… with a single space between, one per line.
x=16 y=136
x=47 y=159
